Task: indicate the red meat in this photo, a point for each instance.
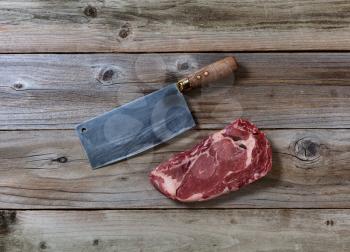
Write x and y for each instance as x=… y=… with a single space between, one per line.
x=223 y=162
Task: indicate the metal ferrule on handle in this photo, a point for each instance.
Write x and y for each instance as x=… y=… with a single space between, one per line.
x=218 y=70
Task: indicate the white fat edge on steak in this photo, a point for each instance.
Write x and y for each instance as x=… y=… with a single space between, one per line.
x=199 y=196
x=170 y=184
x=256 y=176
x=194 y=197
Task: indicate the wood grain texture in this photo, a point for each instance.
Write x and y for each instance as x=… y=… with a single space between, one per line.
x=174 y=230
x=48 y=169
x=274 y=90
x=182 y=25
x=42 y=97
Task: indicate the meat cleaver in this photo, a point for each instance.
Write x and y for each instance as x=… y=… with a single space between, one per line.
x=147 y=121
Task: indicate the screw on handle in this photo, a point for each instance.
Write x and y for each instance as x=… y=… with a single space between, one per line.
x=218 y=70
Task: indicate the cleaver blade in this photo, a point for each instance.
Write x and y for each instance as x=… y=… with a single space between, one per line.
x=135 y=127
x=147 y=121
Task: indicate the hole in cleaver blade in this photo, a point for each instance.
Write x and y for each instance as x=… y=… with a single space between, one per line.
x=135 y=127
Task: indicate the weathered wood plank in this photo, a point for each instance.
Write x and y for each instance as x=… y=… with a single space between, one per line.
x=47 y=169
x=176 y=230
x=159 y=26
x=59 y=91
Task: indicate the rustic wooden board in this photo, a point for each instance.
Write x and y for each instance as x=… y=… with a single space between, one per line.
x=48 y=169
x=159 y=26
x=274 y=90
x=176 y=230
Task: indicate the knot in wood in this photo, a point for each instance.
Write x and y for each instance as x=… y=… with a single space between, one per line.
x=329 y=222
x=42 y=245
x=106 y=75
x=7 y=218
x=18 y=86
x=307 y=149
x=124 y=31
x=61 y=160
x=185 y=64
x=182 y=66
x=90 y=11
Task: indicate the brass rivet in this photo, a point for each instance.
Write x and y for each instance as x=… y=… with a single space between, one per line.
x=206 y=73
x=198 y=77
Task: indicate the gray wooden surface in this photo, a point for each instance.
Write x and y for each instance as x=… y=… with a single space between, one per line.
x=281 y=90
x=48 y=169
x=151 y=25
x=293 y=82
x=175 y=230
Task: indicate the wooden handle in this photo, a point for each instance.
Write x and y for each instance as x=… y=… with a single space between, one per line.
x=218 y=70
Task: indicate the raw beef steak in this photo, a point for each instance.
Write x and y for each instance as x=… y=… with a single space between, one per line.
x=223 y=162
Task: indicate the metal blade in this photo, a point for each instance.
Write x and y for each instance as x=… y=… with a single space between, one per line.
x=135 y=127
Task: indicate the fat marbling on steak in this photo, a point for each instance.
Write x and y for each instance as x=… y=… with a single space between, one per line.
x=223 y=162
